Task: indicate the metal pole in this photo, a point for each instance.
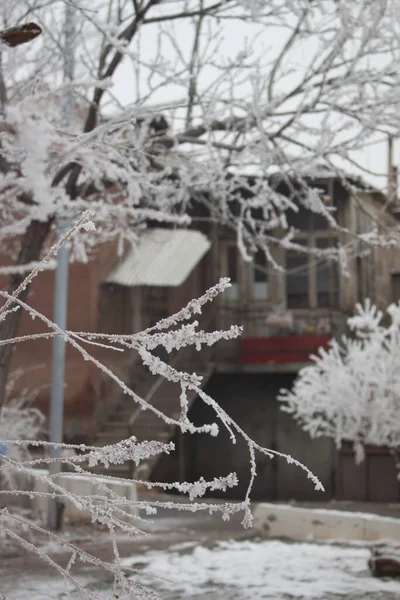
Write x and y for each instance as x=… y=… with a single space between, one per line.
x=390 y=169
x=55 y=507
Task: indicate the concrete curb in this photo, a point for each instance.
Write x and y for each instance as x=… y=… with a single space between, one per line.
x=282 y=520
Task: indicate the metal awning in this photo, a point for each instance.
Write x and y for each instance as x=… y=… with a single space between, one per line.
x=162 y=257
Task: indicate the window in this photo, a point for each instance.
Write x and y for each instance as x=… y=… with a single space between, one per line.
x=297 y=276
x=249 y=280
x=364 y=221
x=327 y=277
x=306 y=220
x=312 y=281
x=395 y=277
x=365 y=259
x=260 y=276
x=233 y=293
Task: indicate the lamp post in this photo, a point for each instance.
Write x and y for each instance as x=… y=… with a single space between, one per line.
x=55 y=507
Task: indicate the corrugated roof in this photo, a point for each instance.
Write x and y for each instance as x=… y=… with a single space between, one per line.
x=163 y=257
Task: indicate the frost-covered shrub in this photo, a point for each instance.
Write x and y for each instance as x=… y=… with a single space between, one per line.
x=19 y=421
x=351 y=392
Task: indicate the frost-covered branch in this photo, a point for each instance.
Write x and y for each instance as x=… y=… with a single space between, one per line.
x=26 y=473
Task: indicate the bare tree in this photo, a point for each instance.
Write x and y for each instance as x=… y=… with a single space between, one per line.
x=175 y=101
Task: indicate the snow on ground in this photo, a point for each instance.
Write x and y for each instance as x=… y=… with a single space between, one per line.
x=251 y=570
x=234 y=570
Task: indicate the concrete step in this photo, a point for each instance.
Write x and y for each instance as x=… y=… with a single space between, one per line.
x=124 y=471
x=172 y=404
x=154 y=420
x=115 y=435
x=125 y=411
x=122 y=417
x=161 y=436
x=150 y=416
x=153 y=432
x=152 y=428
x=116 y=426
x=150 y=433
x=106 y=439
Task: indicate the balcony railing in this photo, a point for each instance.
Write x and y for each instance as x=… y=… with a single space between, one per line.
x=259 y=322
x=270 y=339
x=281 y=350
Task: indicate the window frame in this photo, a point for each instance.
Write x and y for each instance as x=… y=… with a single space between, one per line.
x=253 y=280
x=245 y=278
x=229 y=295
x=311 y=238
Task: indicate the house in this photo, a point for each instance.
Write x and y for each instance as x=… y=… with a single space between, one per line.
x=286 y=316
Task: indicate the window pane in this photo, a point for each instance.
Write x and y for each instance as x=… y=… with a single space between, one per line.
x=300 y=219
x=232 y=264
x=327 y=277
x=260 y=277
x=306 y=220
x=260 y=290
x=395 y=287
x=297 y=273
x=232 y=293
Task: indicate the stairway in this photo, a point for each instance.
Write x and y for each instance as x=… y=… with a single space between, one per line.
x=127 y=418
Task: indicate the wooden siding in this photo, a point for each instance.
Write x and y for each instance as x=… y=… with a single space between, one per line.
x=373 y=480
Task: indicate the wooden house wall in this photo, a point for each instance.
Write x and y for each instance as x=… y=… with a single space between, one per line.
x=373 y=277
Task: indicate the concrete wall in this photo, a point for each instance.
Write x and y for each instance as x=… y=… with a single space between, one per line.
x=277 y=520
